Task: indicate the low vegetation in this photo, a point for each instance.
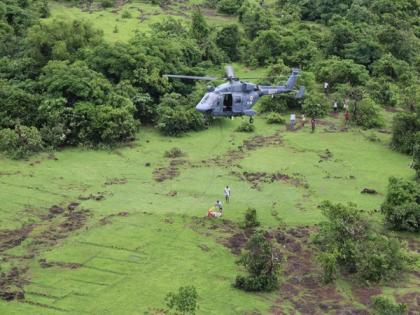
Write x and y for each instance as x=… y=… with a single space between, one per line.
x=349 y=240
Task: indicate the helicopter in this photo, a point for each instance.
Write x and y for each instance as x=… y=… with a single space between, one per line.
x=236 y=97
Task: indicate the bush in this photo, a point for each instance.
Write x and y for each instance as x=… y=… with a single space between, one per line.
x=315 y=106
x=416 y=156
x=107 y=3
x=176 y=118
x=384 y=306
x=245 y=127
x=349 y=239
x=20 y=142
x=251 y=218
x=262 y=262
x=404 y=129
x=402 y=205
x=367 y=114
x=126 y=15
x=174 y=153
x=328 y=263
x=185 y=301
x=275 y=118
x=54 y=136
x=277 y=104
x=229 y=6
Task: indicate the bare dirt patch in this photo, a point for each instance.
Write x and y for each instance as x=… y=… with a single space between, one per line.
x=12 y=283
x=13 y=238
x=49 y=264
x=162 y=174
x=116 y=181
x=258 y=178
x=98 y=196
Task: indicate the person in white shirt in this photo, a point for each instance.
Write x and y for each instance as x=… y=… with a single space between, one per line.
x=335 y=106
x=326 y=88
x=227 y=194
x=219 y=205
x=292 y=121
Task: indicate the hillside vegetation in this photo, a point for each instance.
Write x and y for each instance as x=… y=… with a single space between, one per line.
x=107 y=171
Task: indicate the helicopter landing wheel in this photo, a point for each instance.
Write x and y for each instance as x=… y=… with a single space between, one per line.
x=251 y=119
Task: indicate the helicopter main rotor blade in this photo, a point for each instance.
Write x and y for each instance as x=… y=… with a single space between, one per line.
x=191 y=77
x=229 y=72
x=256 y=78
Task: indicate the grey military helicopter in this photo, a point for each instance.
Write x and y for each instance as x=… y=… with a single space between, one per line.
x=236 y=97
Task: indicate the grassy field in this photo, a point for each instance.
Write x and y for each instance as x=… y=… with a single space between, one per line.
x=142 y=15
x=140 y=240
x=112 y=232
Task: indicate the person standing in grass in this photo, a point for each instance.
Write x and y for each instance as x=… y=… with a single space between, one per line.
x=227 y=194
x=292 y=121
x=303 y=120
x=346 y=118
x=313 y=123
x=335 y=106
x=219 y=205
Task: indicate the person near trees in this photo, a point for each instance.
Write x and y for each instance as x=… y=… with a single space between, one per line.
x=303 y=120
x=326 y=85
x=313 y=123
x=227 y=193
x=335 y=106
x=346 y=118
x=292 y=121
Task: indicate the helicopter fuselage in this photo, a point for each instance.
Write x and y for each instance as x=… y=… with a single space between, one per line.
x=235 y=98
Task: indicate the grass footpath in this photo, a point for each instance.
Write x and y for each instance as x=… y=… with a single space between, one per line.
x=137 y=240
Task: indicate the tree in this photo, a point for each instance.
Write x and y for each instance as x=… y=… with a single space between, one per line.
x=228 y=39
x=348 y=238
x=336 y=71
x=229 y=6
x=367 y=114
x=315 y=106
x=20 y=142
x=251 y=218
x=402 y=205
x=185 y=301
x=199 y=28
x=254 y=18
x=404 y=129
x=262 y=263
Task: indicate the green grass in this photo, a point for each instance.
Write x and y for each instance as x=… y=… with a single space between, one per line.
x=109 y=19
x=131 y=263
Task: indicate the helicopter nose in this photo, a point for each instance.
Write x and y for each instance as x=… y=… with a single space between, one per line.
x=202 y=107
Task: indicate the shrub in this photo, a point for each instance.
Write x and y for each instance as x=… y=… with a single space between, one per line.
x=229 y=6
x=328 y=263
x=349 y=239
x=384 y=306
x=367 y=114
x=54 y=136
x=174 y=153
x=404 y=128
x=262 y=263
x=185 y=301
x=245 y=127
x=402 y=205
x=275 y=118
x=416 y=156
x=251 y=218
x=315 y=106
x=126 y=15
x=20 y=142
x=174 y=117
x=277 y=104
x=107 y=3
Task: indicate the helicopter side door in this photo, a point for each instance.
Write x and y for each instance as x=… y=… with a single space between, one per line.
x=237 y=106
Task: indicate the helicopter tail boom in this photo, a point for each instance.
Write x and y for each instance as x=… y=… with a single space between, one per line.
x=290 y=84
